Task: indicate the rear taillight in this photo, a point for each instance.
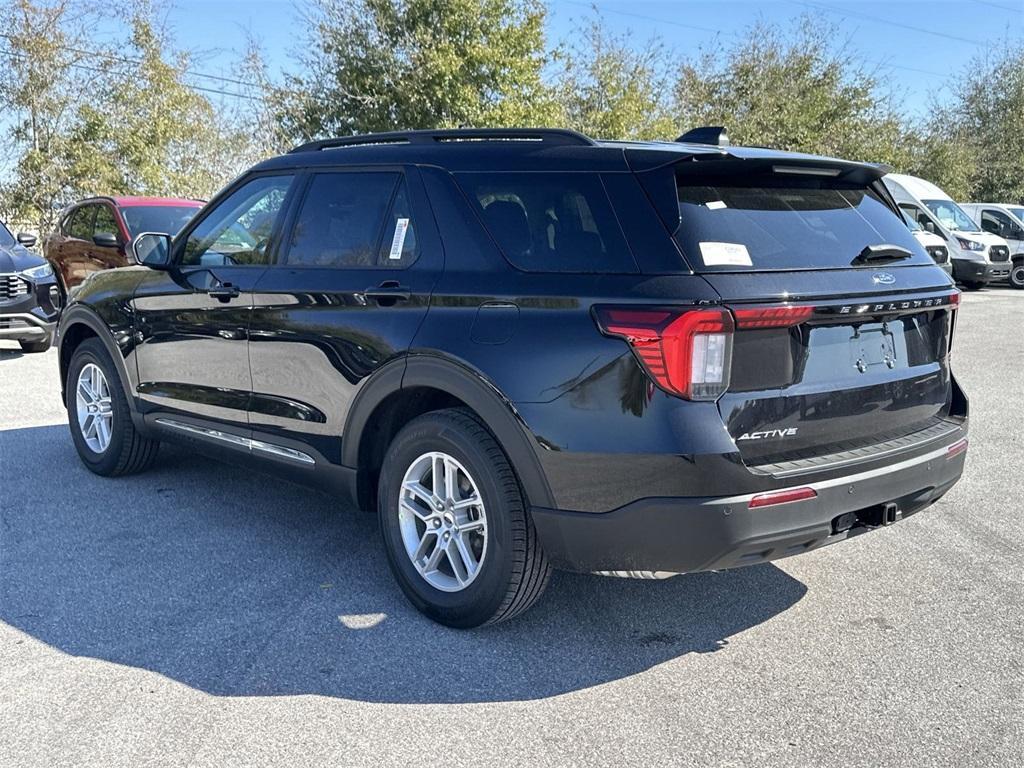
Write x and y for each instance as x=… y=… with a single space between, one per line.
x=686 y=353
x=771 y=317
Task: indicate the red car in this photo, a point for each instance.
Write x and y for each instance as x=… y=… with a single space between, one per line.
x=95 y=233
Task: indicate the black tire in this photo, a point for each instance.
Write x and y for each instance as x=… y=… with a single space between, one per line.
x=32 y=347
x=973 y=286
x=128 y=451
x=514 y=570
x=1017 y=275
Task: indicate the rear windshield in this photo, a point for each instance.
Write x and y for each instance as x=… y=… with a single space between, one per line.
x=167 y=219
x=781 y=223
x=551 y=222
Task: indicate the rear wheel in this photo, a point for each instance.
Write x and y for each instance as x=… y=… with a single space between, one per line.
x=99 y=415
x=31 y=347
x=1017 y=275
x=456 y=530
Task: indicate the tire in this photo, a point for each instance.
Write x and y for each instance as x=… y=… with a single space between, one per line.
x=126 y=451
x=32 y=347
x=511 y=572
x=1017 y=275
x=973 y=286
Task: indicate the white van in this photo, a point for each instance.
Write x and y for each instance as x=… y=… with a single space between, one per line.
x=1006 y=221
x=978 y=257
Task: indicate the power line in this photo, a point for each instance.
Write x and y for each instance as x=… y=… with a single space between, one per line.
x=87 y=68
x=889 y=22
x=944 y=75
x=137 y=62
x=1000 y=6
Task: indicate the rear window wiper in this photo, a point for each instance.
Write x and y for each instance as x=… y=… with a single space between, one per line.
x=876 y=254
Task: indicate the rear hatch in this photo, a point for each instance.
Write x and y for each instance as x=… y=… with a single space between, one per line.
x=843 y=321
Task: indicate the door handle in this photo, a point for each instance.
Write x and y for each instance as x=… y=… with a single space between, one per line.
x=224 y=292
x=388 y=292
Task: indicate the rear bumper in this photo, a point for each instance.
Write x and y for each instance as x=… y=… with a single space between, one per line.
x=680 y=535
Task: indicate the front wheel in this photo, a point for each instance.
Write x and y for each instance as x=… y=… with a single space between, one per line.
x=972 y=285
x=456 y=530
x=100 y=418
x=1017 y=276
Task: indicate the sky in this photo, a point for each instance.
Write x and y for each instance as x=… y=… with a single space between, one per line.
x=917 y=45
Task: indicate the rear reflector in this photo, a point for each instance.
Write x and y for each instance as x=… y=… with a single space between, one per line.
x=781 y=497
x=956 y=448
x=686 y=353
x=771 y=317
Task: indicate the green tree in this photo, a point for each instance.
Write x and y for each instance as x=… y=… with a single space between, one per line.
x=793 y=91
x=610 y=89
x=986 y=116
x=376 y=65
x=45 y=68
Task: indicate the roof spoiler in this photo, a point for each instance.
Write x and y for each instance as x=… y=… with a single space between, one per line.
x=716 y=136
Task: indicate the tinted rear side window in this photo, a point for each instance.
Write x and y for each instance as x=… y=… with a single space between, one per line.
x=778 y=223
x=551 y=222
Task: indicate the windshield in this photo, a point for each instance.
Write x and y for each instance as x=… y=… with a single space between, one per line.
x=6 y=238
x=769 y=222
x=167 y=219
x=951 y=216
x=1017 y=211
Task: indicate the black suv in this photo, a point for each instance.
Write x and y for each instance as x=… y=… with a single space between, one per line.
x=528 y=349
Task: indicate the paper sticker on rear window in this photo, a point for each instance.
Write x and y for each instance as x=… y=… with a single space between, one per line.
x=715 y=205
x=725 y=255
x=398 y=241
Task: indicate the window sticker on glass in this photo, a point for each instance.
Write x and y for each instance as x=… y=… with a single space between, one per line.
x=398 y=241
x=714 y=205
x=725 y=254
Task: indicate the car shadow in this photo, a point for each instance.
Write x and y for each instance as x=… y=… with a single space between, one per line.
x=238 y=584
x=10 y=354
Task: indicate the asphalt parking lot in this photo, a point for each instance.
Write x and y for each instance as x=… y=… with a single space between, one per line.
x=203 y=615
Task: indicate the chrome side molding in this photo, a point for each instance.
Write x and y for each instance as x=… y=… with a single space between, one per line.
x=239 y=442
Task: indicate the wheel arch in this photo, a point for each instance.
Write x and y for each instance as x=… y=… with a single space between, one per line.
x=418 y=384
x=77 y=324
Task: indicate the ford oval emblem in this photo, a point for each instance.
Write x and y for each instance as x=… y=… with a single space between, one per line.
x=884 y=278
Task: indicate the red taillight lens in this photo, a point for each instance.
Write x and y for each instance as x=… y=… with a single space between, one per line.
x=687 y=353
x=960 y=446
x=781 y=497
x=954 y=300
x=771 y=317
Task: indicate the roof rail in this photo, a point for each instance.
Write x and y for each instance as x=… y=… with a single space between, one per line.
x=550 y=136
x=715 y=135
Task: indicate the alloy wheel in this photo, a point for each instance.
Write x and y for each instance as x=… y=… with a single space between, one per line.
x=443 y=522
x=94 y=407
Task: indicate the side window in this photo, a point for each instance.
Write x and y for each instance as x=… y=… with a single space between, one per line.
x=105 y=223
x=342 y=223
x=996 y=222
x=81 y=222
x=237 y=231
x=551 y=222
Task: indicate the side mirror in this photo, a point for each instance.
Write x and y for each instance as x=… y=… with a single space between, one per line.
x=929 y=226
x=25 y=239
x=153 y=250
x=106 y=240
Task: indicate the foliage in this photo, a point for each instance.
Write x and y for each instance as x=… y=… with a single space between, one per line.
x=986 y=118
x=611 y=89
x=794 y=92
x=376 y=65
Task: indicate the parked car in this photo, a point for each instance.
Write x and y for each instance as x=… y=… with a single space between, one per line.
x=94 y=234
x=978 y=257
x=29 y=298
x=932 y=243
x=1007 y=222
x=527 y=349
